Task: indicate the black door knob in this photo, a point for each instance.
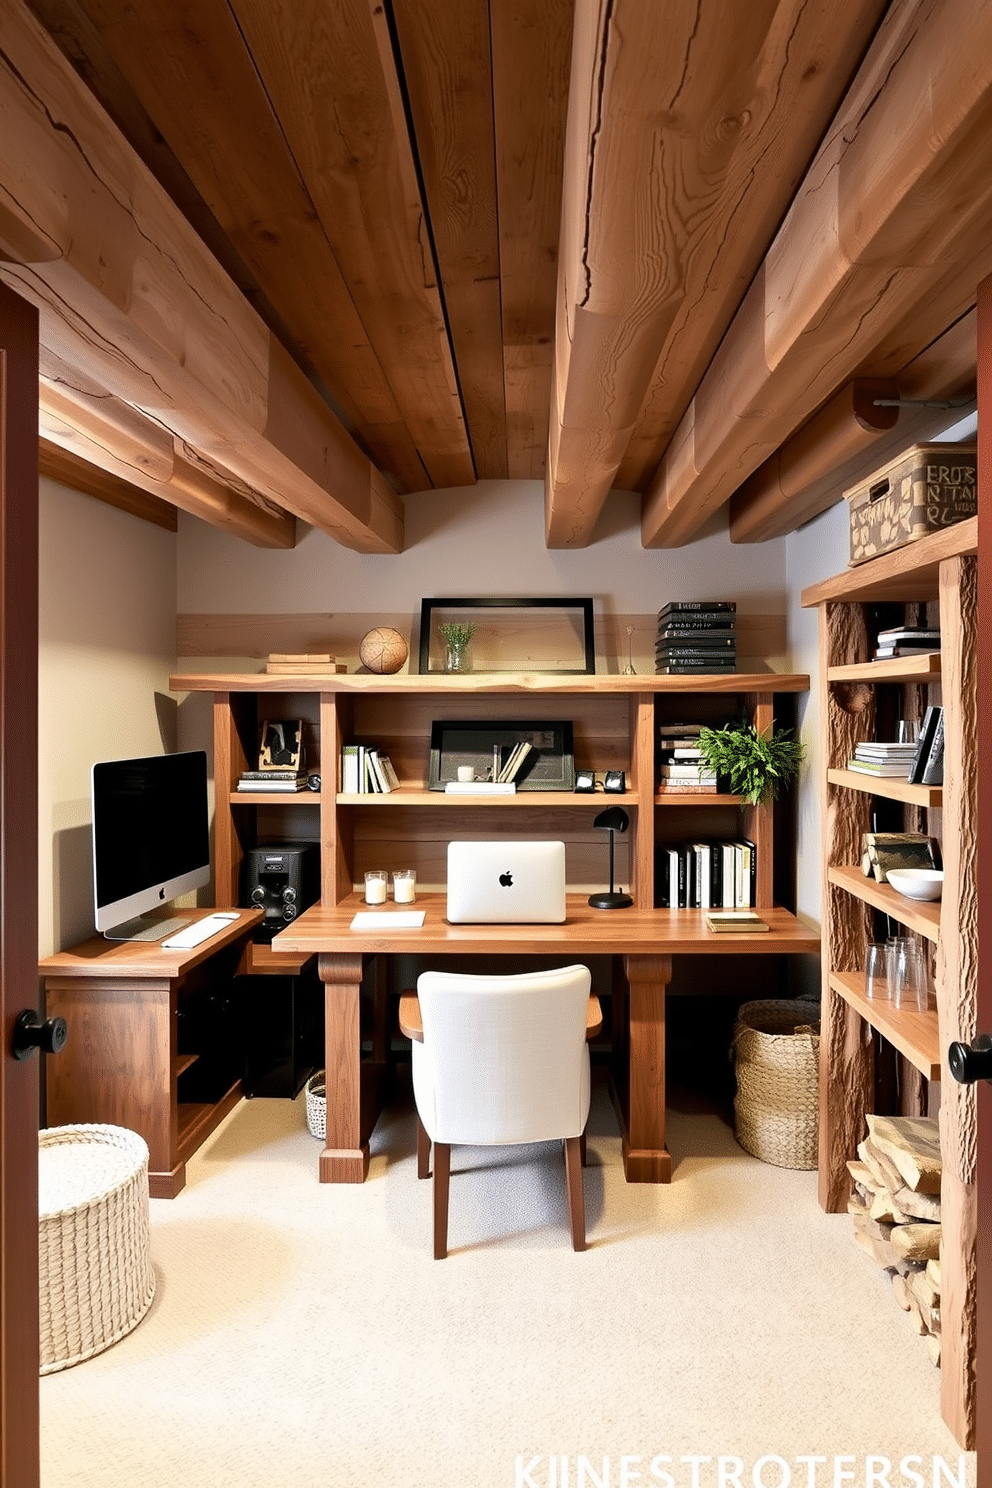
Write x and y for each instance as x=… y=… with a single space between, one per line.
x=31 y=1032
x=968 y=1063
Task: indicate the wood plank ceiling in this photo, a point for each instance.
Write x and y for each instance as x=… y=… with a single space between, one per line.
x=606 y=243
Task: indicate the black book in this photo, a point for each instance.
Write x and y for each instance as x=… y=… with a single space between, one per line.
x=693 y=606
x=753 y=884
x=933 y=770
x=716 y=876
x=927 y=730
x=696 y=627
x=693 y=668
x=695 y=647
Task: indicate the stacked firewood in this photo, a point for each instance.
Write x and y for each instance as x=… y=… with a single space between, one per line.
x=896 y=1209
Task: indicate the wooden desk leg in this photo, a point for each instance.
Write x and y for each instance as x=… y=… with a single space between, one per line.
x=645 y=1157
x=345 y=1158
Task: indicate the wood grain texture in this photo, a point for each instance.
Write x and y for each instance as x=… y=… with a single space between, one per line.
x=666 y=212
x=18 y=887
x=129 y=297
x=191 y=69
x=983 y=647
x=531 y=43
x=345 y=1158
x=444 y=47
x=846 y=1057
x=59 y=464
x=646 y=1158
x=957 y=982
x=833 y=284
x=910 y=573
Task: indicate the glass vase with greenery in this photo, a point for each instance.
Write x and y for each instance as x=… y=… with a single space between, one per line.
x=758 y=767
x=456 y=638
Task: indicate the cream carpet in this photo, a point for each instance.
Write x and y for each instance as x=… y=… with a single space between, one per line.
x=302 y=1335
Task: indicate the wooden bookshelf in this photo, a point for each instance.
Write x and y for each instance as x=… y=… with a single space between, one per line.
x=916 y=914
x=911 y=1031
x=889 y=786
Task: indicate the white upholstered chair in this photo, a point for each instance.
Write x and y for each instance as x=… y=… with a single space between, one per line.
x=499 y=1060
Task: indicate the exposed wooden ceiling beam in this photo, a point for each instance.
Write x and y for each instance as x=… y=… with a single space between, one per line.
x=130 y=297
x=891 y=218
x=677 y=160
x=531 y=60
x=69 y=469
x=192 y=71
x=447 y=75
x=812 y=470
x=91 y=426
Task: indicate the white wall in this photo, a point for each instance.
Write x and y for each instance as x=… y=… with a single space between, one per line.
x=107 y=626
x=816 y=551
x=486 y=539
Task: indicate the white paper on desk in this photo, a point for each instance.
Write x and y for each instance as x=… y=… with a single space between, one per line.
x=396 y=919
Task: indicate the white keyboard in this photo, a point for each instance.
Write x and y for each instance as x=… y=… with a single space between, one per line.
x=199 y=931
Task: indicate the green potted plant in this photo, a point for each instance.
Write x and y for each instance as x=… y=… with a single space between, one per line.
x=758 y=767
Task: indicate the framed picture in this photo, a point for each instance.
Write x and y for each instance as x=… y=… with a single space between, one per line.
x=281 y=745
x=511 y=635
x=487 y=747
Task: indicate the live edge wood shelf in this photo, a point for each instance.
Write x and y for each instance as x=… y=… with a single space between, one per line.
x=941 y=573
x=615 y=719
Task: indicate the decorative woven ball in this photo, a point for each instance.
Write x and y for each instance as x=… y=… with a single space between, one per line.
x=383 y=650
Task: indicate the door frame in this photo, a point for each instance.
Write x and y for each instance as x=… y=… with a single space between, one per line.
x=983 y=1182
x=19 y=1393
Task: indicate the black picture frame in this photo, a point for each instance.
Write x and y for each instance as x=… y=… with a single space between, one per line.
x=430 y=608
x=462 y=741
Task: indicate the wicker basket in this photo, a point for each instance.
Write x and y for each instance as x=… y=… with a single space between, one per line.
x=776 y=1049
x=96 y=1277
x=316 y=1093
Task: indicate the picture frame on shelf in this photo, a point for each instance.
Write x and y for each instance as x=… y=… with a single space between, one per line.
x=511 y=635
x=479 y=745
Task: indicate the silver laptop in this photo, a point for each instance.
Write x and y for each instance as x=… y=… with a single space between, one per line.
x=506 y=883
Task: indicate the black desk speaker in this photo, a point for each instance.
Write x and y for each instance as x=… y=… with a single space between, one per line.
x=282 y=879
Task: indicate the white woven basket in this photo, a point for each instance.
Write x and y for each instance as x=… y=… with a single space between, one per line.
x=316 y=1093
x=95 y=1267
x=776 y=1049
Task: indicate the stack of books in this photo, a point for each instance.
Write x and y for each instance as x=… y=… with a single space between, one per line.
x=272 y=780
x=906 y=640
x=303 y=663
x=683 y=770
x=894 y=760
x=366 y=772
x=696 y=636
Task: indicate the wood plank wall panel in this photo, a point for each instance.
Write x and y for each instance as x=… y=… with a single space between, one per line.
x=328 y=71
x=678 y=160
x=834 y=285
x=531 y=59
x=446 y=68
x=190 y=69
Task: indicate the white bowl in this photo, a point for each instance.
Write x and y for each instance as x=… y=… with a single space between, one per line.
x=917 y=883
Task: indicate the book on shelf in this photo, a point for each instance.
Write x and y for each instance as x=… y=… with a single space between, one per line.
x=696 y=606
x=366 y=771
x=304 y=668
x=693 y=668
x=681 y=751
x=884 y=749
x=886 y=653
x=706 y=873
x=889 y=769
x=679 y=730
x=292 y=656
x=933 y=769
x=735 y=920
x=270 y=783
x=881 y=851
x=686 y=788
x=931 y=735
x=911 y=633
x=716 y=629
x=518 y=757
x=689 y=771
x=700 y=647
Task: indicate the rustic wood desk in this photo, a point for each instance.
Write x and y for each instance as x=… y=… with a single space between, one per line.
x=645 y=939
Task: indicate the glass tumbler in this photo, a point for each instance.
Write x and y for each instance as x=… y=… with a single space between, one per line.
x=404 y=886
x=907 y=974
x=877 y=972
x=376 y=883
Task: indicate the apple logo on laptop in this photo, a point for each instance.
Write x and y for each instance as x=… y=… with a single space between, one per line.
x=506 y=880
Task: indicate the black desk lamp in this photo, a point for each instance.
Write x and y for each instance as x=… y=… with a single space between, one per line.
x=615 y=819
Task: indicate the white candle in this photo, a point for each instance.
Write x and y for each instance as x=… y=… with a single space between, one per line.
x=405 y=886
x=375 y=888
